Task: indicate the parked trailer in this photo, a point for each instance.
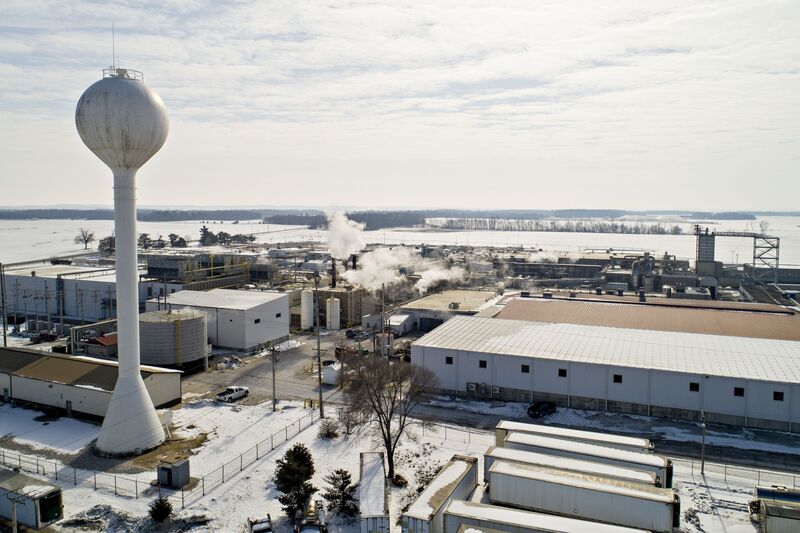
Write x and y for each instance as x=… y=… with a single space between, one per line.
x=633 y=444
x=661 y=466
x=491 y=517
x=779 y=517
x=778 y=493
x=456 y=480
x=551 y=490
x=373 y=493
x=621 y=473
x=38 y=504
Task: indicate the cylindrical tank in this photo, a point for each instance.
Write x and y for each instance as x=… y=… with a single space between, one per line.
x=307 y=309
x=175 y=338
x=333 y=313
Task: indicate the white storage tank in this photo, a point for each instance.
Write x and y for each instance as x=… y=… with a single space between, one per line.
x=177 y=338
x=333 y=314
x=307 y=309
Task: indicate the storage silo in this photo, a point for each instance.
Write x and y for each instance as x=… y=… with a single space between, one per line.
x=333 y=313
x=175 y=339
x=307 y=309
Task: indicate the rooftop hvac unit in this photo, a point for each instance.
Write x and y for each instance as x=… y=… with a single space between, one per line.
x=547 y=295
x=495 y=390
x=454 y=305
x=525 y=294
x=470 y=387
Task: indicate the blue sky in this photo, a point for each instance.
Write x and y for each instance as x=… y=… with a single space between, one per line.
x=525 y=104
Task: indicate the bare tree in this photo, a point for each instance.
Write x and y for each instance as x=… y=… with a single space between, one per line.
x=84 y=237
x=763 y=225
x=385 y=395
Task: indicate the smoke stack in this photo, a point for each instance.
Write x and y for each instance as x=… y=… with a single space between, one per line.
x=354 y=259
x=333 y=273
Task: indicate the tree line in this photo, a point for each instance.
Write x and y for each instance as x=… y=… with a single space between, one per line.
x=576 y=226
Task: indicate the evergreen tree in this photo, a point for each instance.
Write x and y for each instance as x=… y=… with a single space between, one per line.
x=207 y=237
x=340 y=494
x=292 y=477
x=106 y=245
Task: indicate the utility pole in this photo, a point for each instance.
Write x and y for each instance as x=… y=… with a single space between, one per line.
x=274 y=398
x=5 y=312
x=703 y=444
x=319 y=348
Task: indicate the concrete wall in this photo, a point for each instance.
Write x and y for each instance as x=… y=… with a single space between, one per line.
x=592 y=386
x=273 y=325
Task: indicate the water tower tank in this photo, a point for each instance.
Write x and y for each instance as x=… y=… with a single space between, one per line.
x=176 y=339
x=333 y=313
x=307 y=309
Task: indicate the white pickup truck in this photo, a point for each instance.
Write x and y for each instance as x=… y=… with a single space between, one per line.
x=231 y=394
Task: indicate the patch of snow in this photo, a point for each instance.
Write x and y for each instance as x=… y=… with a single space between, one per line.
x=451 y=473
x=66 y=436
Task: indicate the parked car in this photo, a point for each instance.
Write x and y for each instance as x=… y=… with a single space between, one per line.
x=231 y=394
x=540 y=409
x=350 y=334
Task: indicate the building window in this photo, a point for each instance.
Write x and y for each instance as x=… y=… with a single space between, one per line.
x=617 y=378
x=482 y=363
x=562 y=372
x=149 y=292
x=277 y=315
x=448 y=360
x=694 y=387
x=526 y=369
x=738 y=391
x=257 y=321
x=777 y=396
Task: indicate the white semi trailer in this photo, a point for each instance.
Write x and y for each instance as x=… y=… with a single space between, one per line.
x=551 y=490
x=661 y=466
x=373 y=494
x=456 y=480
x=37 y=504
x=594 y=468
x=489 y=518
x=634 y=444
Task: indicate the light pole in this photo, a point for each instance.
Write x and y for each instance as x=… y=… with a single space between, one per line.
x=703 y=444
x=319 y=348
x=273 y=349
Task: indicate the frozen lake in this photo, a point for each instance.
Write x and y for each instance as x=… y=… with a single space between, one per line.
x=25 y=240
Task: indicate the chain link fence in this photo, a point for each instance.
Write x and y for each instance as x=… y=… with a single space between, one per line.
x=143 y=485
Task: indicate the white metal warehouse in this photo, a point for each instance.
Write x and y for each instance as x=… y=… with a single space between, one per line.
x=74 y=383
x=239 y=320
x=753 y=382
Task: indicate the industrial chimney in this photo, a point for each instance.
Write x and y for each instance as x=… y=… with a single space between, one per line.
x=125 y=123
x=333 y=272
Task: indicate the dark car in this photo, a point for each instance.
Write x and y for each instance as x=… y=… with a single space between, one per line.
x=540 y=409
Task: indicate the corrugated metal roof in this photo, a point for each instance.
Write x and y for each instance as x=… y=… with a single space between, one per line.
x=70 y=370
x=223 y=298
x=737 y=357
x=735 y=321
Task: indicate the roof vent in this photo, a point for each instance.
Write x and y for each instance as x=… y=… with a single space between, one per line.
x=547 y=295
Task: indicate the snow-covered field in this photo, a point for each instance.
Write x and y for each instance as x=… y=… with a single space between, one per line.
x=709 y=504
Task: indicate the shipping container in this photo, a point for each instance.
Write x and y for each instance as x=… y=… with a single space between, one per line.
x=576 y=495
x=373 y=495
x=456 y=480
x=38 y=504
x=778 y=493
x=480 y=515
x=512 y=455
x=634 y=444
x=779 y=517
x=661 y=466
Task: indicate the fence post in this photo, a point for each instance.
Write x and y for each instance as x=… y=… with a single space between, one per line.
x=182 y=504
x=256 y=451
x=726 y=473
x=271 y=444
x=287 y=433
x=203 y=481
x=240 y=462
x=692 y=467
x=136 y=487
x=95 y=480
x=55 y=470
x=223 y=473
x=115 y=485
x=74 y=476
x=759 y=476
x=37 y=464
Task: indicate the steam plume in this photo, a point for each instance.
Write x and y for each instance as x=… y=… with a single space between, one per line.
x=378 y=267
x=345 y=237
x=437 y=274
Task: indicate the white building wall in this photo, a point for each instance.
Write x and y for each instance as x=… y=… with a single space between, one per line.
x=671 y=389
x=86 y=400
x=633 y=387
x=163 y=388
x=273 y=322
x=545 y=376
x=508 y=372
x=761 y=404
x=5 y=384
x=588 y=381
x=718 y=396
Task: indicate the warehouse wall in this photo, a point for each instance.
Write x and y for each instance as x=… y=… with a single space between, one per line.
x=273 y=325
x=84 y=400
x=164 y=389
x=642 y=391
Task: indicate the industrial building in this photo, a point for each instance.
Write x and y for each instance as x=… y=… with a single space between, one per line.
x=75 y=384
x=237 y=320
x=750 y=379
x=433 y=310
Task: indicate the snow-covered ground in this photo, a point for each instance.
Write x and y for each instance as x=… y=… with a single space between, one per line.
x=644 y=426
x=716 y=503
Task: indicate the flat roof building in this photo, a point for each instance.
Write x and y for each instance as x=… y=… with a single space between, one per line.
x=746 y=381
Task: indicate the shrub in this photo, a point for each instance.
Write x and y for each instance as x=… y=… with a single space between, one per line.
x=328 y=429
x=160 y=510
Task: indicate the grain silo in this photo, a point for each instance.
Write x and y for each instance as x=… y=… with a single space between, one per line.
x=175 y=339
x=307 y=309
x=333 y=314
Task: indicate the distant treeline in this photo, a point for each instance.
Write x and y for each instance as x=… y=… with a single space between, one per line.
x=576 y=226
x=723 y=216
x=372 y=220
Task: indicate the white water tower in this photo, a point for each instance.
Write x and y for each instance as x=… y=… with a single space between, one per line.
x=125 y=123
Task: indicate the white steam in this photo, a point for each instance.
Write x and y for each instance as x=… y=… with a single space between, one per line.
x=345 y=237
x=543 y=257
x=379 y=267
x=436 y=274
